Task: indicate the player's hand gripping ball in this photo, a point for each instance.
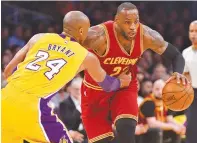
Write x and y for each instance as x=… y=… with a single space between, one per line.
x=178 y=93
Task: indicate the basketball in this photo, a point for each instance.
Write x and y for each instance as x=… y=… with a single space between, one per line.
x=177 y=97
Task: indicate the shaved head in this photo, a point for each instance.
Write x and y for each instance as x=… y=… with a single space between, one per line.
x=194 y=22
x=126 y=6
x=75 y=19
x=76 y=24
x=193 y=33
x=158 y=86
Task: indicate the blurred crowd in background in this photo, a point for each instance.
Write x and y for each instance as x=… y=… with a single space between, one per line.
x=21 y=20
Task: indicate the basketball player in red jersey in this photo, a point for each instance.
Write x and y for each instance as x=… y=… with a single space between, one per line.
x=119 y=44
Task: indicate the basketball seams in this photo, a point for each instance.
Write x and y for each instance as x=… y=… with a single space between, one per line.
x=186 y=98
x=179 y=98
x=173 y=91
x=176 y=96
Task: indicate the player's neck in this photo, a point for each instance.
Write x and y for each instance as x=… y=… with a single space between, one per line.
x=69 y=35
x=119 y=35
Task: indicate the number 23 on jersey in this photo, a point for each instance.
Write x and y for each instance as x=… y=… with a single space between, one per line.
x=54 y=65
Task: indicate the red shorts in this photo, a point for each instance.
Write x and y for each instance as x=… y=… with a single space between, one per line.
x=100 y=110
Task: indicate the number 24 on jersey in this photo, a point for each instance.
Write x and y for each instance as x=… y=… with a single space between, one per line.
x=53 y=65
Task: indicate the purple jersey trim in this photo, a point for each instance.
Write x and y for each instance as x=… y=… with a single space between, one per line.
x=64 y=36
x=53 y=129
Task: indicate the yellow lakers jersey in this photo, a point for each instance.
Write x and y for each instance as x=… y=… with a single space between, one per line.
x=52 y=62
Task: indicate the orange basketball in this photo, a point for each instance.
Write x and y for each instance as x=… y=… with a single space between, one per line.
x=177 y=97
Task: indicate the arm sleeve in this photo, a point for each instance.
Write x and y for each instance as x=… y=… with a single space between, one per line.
x=174 y=57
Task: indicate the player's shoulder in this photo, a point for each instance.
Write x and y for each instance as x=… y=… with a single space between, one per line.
x=77 y=47
x=74 y=44
x=187 y=50
x=97 y=29
x=95 y=37
x=146 y=32
x=35 y=38
x=38 y=35
x=149 y=32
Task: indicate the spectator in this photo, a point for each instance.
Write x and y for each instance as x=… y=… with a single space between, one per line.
x=60 y=96
x=51 y=29
x=4 y=38
x=6 y=58
x=159 y=72
x=27 y=34
x=146 y=87
x=139 y=98
x=155 y=115
x=15 y=49
x=70 y=112
x=16 y=39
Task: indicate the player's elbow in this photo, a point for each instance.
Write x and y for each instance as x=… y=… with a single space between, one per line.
x=6 y=72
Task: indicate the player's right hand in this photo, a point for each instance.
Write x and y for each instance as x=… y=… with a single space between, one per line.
x=125 y=79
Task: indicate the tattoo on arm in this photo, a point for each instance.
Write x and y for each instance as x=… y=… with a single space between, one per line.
x=94 y=37
x=154 y=40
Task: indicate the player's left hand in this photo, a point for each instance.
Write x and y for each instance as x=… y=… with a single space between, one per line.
x=125 y=79
x=180 y=78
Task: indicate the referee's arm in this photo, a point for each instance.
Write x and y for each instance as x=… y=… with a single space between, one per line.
x=186 y=69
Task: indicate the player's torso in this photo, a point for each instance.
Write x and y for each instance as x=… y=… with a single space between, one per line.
x=50 y=64
x=116 y=59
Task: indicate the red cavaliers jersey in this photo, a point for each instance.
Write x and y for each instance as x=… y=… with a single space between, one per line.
x=116 y=59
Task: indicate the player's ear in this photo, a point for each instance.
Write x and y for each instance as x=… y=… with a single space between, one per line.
x=81 y=31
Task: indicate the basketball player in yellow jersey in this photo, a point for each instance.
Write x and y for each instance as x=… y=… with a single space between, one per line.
x=44 y=65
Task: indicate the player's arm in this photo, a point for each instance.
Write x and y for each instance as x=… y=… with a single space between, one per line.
x=108 y=83
x=154 y=41
x=20 y=56
x=96 y=39
x=186 y=68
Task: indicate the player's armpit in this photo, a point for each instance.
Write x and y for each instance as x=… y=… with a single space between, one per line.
x=153 y=40
x=20 y=56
